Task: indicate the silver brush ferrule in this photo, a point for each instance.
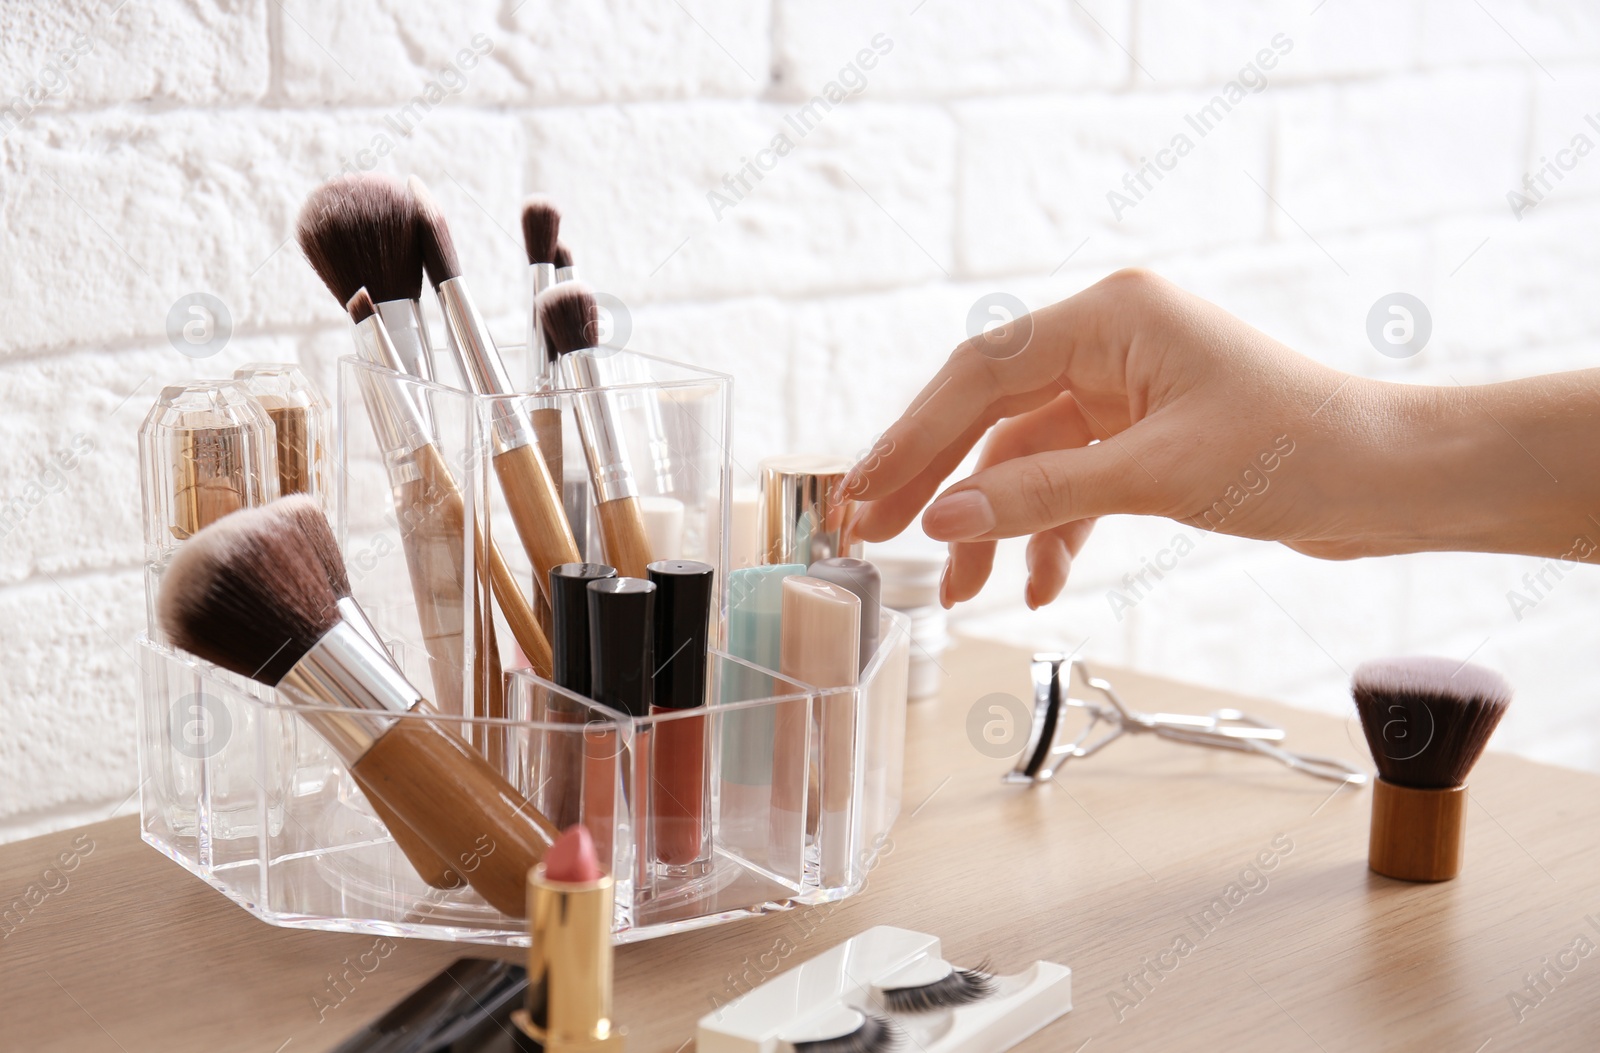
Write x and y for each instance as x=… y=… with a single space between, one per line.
x=347 y=671
x=566 y=274
x=357 y=619
x=597 y=424
x=540 y=277
x=480 y=362
x=403 y=319
x=400 y=420
x=631 y=370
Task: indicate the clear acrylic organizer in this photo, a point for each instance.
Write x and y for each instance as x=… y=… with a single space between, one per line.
x=241 y=792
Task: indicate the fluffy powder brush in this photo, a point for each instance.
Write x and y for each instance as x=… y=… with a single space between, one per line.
x=1427 y=721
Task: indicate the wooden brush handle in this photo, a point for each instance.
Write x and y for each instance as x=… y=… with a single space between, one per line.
x=513 y=604
x=519 y=615
x=465 y=810
x=627 y=544
x=1417 y=835
x=428 y=863
x=536 y=511
x=429 y=509
x=547 y=435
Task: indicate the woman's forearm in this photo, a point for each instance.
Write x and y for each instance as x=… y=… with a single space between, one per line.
x=1508 y=467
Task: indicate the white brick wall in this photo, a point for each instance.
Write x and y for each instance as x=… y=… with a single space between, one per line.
x=159 y=148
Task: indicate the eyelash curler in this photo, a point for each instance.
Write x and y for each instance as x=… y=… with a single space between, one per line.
x=1223 y=729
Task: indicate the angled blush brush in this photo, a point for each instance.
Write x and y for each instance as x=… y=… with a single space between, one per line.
x=251 y=594
x=569 y=318
x=1427 y=720
x=525 y=481
x=426 y=490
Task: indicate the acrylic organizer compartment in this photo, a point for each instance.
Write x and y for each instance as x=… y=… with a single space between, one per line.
x=241 y=791
x=776 y=794
x=232 y=794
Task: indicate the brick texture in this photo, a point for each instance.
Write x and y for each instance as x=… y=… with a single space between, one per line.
x=815 y=198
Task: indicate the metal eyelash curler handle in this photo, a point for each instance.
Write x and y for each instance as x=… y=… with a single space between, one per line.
x=1226 y=729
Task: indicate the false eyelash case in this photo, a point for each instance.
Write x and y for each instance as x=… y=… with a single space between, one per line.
x=842 y=991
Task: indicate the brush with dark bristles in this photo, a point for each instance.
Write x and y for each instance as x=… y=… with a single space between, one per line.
x=525 y=480
x=361 y=231
x=541 y=226
x=569 y=317
x=566 y=270
x=428 y=499
x=255 y=594
x=307 y=518
x=1427 y=721
x=575 y=491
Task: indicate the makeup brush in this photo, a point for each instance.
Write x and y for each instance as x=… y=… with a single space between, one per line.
x=566 y=270
x=305 y=516
x=361 y=230
x=529 y=491
x=541 y=223
x=569 y=318
x=428 y=500
x=1427 y=721
x=251 y=594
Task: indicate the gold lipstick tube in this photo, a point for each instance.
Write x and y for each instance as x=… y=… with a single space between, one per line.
x=569 y=966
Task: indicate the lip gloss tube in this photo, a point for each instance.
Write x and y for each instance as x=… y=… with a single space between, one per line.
x=821 y=647
x=620 y=611
x=680 y=820
x=755 y=634
x=862 y=578
x=561 y=762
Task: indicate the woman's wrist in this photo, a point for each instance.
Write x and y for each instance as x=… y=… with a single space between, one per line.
x=1506 y=467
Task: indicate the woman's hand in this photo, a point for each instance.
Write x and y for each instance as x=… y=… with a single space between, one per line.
x=1136 y=397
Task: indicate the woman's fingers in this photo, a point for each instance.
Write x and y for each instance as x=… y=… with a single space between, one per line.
x=1057 y=425
x=1028 y=494
x=1050 y=555
x=883 y=519
x=1000 y=375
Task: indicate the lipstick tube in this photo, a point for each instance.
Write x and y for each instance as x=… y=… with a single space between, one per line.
x=680 y=821
x=525 y=479
x=620 y=639
x=802 y=518
x=616 y=493
x=561 y=757
x=821 y=642
x=569 y=1008
x=436 y=784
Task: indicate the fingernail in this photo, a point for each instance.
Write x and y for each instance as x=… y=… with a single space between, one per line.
x=944 y=586
x=1028 y=597
x=849 y=484
x=959 y=516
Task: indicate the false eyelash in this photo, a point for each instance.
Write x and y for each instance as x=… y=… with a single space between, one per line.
x=960 y=987
x=875 y=1035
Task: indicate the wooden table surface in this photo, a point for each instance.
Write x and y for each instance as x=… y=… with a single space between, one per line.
x=1110 y=870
